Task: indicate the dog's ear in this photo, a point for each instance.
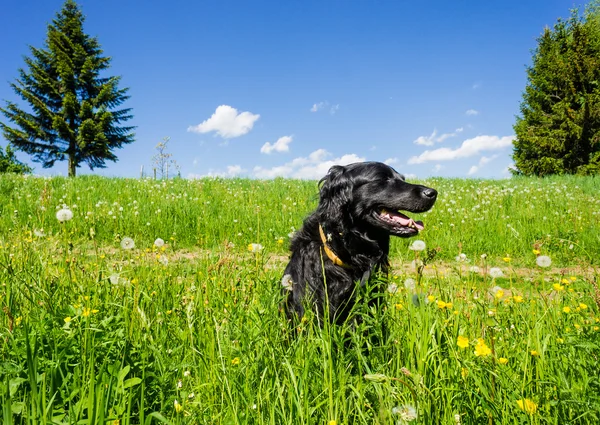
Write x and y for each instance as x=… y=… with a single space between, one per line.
x=335 y=193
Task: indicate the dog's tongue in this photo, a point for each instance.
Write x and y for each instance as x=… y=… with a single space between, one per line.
x=402 y=219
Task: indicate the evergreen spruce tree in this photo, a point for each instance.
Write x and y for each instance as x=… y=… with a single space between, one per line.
x=10 y=164
x=558 y=131
x=72 y=107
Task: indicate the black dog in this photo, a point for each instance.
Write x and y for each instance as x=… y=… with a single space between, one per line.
x=348 y=236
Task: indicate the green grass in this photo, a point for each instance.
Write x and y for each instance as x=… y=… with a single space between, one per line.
x=192 y=333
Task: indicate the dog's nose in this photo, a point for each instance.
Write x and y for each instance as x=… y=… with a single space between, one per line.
x=430 y=193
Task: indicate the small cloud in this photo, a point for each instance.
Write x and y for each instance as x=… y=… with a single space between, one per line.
x=482 y=161
x=312 y=167
x=281 y=145
x=434 y=138
x=227 y=122
x=437 y=168
x=469 y=147
x=232 y=171
x=472 y=112
x=318 y=106
x=391 y=161
x=334 y=109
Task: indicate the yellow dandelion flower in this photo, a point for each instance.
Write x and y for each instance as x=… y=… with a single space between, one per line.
x=464 y=372
x=441 y=304
x=583 y=306
x=518 y=298
x=596 y=328
x=506 y=259
x=527 y=406
x=576 y=326
x=235 y=361
x=86 y=312
x=573 y=278
x=169 y=311
x=499 y=293
x=462 y=341
x=399 y=306
x=430 y=298
x=566 y=310
x=280 y=241
x=564 y=281
x=560 y=340
x=18 y=320
x=503 y=360
x=68 y=319
x=536 y=252
x=558 y=287
x=534 y=353
x=178 y=406
x=481 y=349
x=332 y=422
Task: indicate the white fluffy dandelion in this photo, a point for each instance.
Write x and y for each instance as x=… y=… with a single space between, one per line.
x=407 y=413
x=287 y=282
x=410 y=284
x=127 y=243
x=255 y=247
x=392 y=288
x=64 y=214
x=159 y=243
x=543 y=261
x=496 y=272
x=417 y=245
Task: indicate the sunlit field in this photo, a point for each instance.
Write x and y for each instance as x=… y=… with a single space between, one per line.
x=128 y=301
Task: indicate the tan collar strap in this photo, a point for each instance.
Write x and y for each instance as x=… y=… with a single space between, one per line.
x=334 y=258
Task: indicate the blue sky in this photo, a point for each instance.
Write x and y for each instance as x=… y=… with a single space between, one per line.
x=289 y=88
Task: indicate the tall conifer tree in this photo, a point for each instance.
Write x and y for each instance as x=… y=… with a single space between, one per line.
x=558 y=131
x=72 y=111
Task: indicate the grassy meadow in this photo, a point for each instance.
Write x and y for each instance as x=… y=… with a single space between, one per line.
x=102 y=323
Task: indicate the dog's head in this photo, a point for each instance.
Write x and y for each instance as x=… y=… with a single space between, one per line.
x=373 y=194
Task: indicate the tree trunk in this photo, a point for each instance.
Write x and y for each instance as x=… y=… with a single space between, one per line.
x=72 y=165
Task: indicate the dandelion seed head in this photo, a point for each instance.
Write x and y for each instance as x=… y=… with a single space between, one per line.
x=496 y=272
x=287 y=282
x=417 y=245
x=543 y=261
x=159 y=243
x=64 y=214
x=127 y=243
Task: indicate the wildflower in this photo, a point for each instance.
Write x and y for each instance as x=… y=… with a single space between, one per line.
x=566 y=310
x=497 y=291
x=410 y=284
x=536 y=252
x=287 y=282
x=430 y=298
x=280 y=241
x=481 y=349
x=461 y=258
x=406 y=412
x=18 y=320
x=417 y=245
x=159 y=243
x=457 y=419
x=39 y=233
x=558 y=287
x=255 y=247
x=187 y=374
x=534 y=353
x=527 y=406
x=441 y=304
x=332 y=422
x=179 y=383
x=86 y=312
x=506 y=259
x=235 y=361
x=474 y=269
x=496 y=272
x=518 y=298
x=64 y=214
x=68 y=319
x=127 y=243
x=503 y=360
x=178 y=407
x=464 y=372
x=462 y=342
x=392 y=288
x=543 y=261
x=560 y=340
x=583 y=306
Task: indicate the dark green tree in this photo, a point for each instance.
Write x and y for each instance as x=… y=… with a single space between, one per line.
x=72 y=106
x=10 y=164
x=558 y=131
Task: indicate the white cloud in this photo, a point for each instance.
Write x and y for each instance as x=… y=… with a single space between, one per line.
x=391 y=161
x=281 y=145
x=471 y=112
x=434 y=138
x=437 y=168
x=232 y=171
x=314 y=166
x=469 y=147
x=334 y=109
x=227 y=122
x=482 y=161
x=318 y=106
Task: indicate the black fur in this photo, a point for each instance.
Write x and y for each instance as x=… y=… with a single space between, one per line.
x=350 y=202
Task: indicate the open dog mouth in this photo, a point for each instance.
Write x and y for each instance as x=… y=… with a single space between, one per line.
x=399 y=223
